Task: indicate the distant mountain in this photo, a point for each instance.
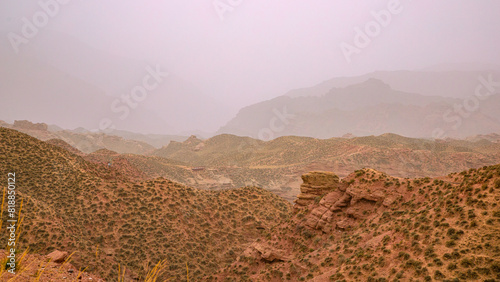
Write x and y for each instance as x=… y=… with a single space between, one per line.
x=395 y=154
x=464 y=66
x=433 y=82
x=492 y=137
x=82 y=140
x=155 y=140
x=53 y=127
x=65 y=146
x=371 y=107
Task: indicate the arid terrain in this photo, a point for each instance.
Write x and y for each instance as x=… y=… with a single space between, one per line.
x=371 y=226
x=278 y=164
x=121 y=219
x=259 y=141
x=111 y=220
x=229 y=161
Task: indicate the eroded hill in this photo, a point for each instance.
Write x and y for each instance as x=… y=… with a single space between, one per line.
x=112 y=220
x=278 y=164
x=84 y=141
x=374 y=227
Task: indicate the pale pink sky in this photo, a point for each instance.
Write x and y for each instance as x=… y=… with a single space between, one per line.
x=262 y=49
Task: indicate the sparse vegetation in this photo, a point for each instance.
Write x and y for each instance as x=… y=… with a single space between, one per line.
x=372 y=227
x=76 y=205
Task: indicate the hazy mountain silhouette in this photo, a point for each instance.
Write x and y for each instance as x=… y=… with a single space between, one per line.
x=446 y=83
x=371 y=107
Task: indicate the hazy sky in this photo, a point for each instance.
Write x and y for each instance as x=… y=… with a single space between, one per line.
x=254 y=50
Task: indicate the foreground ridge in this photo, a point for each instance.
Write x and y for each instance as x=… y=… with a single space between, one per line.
x=371 y=226
x=115 y=223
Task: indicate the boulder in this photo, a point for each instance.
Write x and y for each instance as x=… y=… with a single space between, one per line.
x=57 y=256
x=265 y=252
x=389 y=200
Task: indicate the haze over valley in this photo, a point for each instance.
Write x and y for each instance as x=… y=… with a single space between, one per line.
x=250 y=141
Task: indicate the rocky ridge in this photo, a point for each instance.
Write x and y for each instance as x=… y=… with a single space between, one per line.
x=336 y=199
x=370 y=226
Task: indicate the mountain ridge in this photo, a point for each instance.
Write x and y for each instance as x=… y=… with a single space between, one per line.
x=369 y=107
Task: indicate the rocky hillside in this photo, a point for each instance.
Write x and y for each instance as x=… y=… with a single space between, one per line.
x=405 y=156
x=66 y=146
x=112 y=220
x=367 y=225
x=371 y=226
x=278 y=164
x=230 y=161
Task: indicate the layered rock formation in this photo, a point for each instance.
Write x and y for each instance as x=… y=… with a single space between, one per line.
x=340 y=204
x=375 y=227
x=316 y=184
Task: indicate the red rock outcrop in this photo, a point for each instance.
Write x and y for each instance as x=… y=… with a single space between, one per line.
x=343 y=203
x=316 y=184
